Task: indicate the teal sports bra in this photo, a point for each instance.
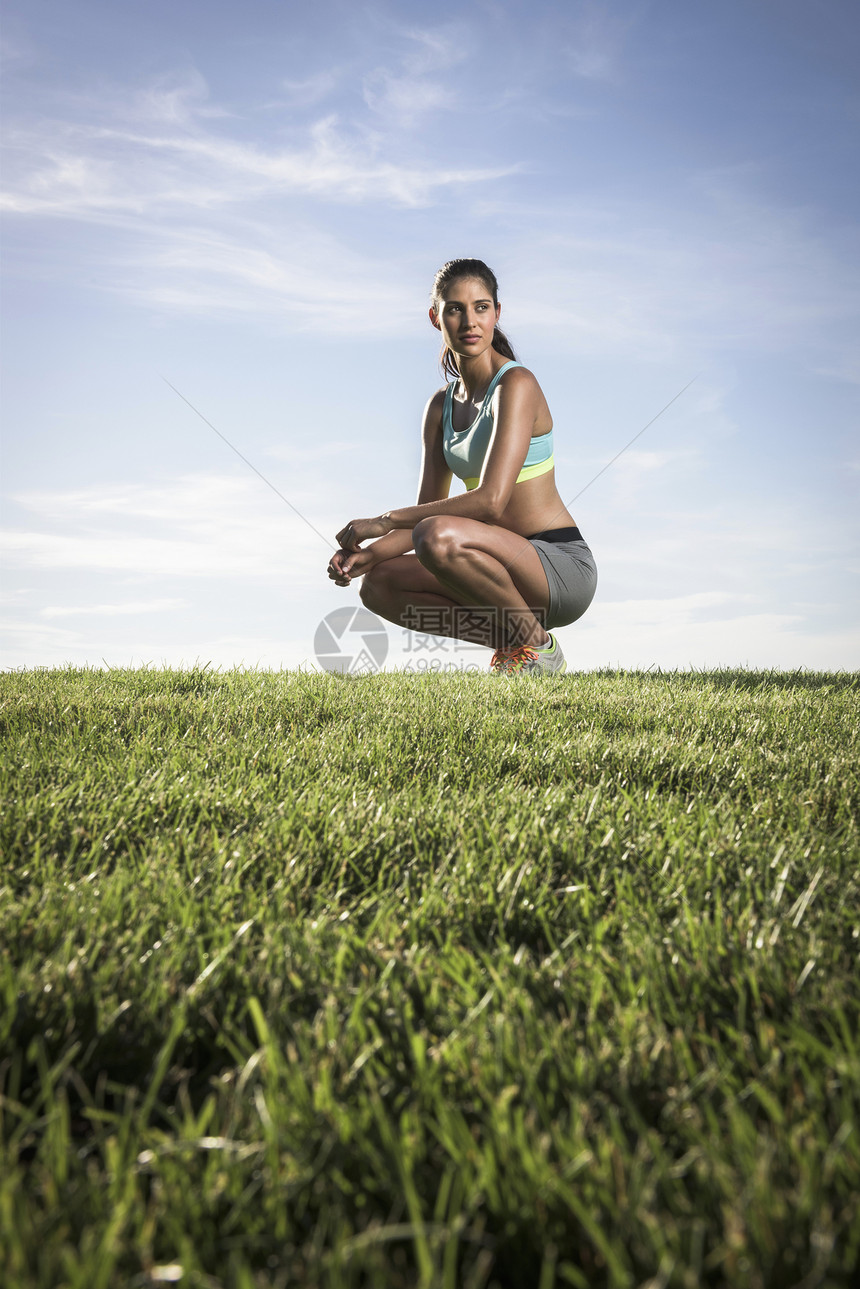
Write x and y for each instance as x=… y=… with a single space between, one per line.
x=465 y=450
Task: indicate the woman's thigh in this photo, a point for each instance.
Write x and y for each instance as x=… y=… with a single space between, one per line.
x=405 y=573
x=517 y=557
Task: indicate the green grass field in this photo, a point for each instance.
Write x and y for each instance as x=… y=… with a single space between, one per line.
x=429 y=981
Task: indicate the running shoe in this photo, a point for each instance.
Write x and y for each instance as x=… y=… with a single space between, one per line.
x=533 y=661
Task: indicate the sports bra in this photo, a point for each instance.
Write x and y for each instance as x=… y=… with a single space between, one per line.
x=464 y=450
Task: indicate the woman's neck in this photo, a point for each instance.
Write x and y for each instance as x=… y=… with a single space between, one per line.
x=477 y=373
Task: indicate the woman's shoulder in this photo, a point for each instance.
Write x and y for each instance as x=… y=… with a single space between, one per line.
x=518 y=380
x=512 y=376
x=434 y=409
x=436 y=401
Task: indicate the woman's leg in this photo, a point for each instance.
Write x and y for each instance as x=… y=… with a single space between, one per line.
x=402 y=591
x=467 y=579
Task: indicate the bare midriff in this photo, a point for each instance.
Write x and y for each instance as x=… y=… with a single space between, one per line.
x=535 y=506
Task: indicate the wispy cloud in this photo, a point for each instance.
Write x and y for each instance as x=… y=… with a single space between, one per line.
x=310 y=279
x=195 y=216
x=592 y=40
x=702 y=630
x=194 y=527
x=178 y=99
x=213 y=218
x=163 y=154
x=728 y=270
x=129 y=609
x=309 y=90
x=417 y=84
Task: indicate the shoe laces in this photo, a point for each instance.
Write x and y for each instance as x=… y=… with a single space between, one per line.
x=500 y=659
x=519 y=659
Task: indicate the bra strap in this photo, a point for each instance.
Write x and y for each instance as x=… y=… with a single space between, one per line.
x=498 y=376
x=448 y=407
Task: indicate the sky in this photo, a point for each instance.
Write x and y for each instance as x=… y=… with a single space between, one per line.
x=236 y=212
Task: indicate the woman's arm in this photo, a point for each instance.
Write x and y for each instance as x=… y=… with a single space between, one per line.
x=515 y=409
x=434 y=485
x=516 y=403
x=435 y=482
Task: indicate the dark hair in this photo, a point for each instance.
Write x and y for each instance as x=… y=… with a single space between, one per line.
x=449 y=273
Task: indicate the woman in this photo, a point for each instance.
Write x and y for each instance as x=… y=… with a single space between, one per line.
x=502 y=563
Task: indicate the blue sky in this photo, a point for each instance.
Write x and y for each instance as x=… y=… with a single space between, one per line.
x=250 y=202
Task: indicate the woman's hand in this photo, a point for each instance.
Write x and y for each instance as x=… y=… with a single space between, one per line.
x=345 y=565
x=362 y=530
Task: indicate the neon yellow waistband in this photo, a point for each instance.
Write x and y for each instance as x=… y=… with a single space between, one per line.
x=527 y=472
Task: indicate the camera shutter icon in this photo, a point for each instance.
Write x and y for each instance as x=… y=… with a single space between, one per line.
x=351 y=640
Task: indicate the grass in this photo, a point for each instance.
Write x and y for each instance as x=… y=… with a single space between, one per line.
x=429 y=981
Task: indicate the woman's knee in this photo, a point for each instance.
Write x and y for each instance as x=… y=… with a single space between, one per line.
x=435 y=538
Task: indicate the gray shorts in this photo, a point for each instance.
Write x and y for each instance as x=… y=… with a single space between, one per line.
x=570 y=571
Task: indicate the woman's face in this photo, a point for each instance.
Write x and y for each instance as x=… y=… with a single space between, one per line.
x=466 y=316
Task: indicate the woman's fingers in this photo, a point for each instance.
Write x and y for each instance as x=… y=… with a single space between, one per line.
x=344 y=566
x=338 y=568
x=348 y=538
